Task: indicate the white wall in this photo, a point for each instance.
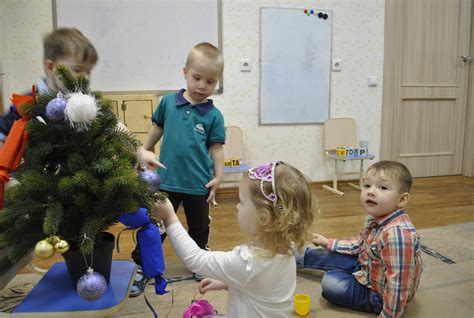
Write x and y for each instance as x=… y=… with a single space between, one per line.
x=23 y=24
x=358 y=31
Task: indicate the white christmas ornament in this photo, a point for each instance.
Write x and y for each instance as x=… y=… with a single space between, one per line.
x=81 y=110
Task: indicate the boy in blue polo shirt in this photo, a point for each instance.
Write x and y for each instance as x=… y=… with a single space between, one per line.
x=191 y=153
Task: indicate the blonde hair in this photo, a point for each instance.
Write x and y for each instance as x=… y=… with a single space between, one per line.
x=67 y=42
x=293 y=214
x=396 y=170
x=206 y=50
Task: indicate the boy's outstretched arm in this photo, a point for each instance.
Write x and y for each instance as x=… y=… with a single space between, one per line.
x=121 y=126
x=319 y=240
x=147 y=157
x=144 y=157
x=217 y=154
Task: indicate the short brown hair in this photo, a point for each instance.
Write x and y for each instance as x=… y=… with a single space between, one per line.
x=396 y=170
x=294 y=213
x=207 y=50
x=66 y=42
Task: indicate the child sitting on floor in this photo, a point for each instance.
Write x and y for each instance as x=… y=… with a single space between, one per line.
x=379 y=270
x=276 y=210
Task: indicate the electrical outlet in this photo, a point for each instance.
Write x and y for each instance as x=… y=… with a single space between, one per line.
x=245 y=65
x=336 y=65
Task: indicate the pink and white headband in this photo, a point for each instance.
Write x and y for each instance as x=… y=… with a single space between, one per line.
x=266 y=173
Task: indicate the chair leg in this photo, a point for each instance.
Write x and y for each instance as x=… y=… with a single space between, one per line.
x=334 y=182
x=361 y=174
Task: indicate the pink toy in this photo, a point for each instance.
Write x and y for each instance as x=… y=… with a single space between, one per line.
x=199 y=308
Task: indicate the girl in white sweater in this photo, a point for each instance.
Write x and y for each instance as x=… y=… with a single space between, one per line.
x=276 y=210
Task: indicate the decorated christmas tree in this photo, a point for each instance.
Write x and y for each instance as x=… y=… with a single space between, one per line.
x=77 y=175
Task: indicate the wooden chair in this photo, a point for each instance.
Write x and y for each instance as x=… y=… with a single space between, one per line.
x=233 y=149
x=342 y=132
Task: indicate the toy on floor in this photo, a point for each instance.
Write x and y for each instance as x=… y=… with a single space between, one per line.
x=201 y=308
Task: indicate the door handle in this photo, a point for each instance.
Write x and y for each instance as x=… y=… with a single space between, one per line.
x=465 y=58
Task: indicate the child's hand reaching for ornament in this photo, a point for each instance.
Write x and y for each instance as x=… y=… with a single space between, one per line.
x=211 y=284
x=148 y=158
x=164 y=211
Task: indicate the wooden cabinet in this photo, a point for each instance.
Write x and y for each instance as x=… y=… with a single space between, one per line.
x=135 y=111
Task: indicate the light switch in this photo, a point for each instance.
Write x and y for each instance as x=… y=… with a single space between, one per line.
x=372 y=81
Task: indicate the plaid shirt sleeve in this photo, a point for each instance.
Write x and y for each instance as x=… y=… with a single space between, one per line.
x=351 y=246
x=398 y=255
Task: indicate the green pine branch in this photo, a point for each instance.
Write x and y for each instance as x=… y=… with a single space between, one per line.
x=82 y=84
x=43 y=98
x=66 y=78
x=52 y=219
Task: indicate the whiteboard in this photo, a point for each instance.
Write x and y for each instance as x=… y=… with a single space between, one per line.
x=295 y=66
x=142 y=44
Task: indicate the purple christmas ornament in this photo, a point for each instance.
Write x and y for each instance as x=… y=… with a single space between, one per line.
x=152 y=178
x=55 y=109
x=91 y=286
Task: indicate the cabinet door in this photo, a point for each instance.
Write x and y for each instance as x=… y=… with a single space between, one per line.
x=135 y=111
x=137 y=114
x=115 y=107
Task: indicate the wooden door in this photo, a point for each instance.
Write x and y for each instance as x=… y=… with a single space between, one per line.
x=425 y=84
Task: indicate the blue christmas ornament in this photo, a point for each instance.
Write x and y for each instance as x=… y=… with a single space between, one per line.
x=91 y=286
x=152 y=178
x=55 y=109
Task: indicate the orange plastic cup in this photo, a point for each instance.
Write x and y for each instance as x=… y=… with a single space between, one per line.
x=302 y=303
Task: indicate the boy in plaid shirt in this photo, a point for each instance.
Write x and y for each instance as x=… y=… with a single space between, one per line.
x=379 y=270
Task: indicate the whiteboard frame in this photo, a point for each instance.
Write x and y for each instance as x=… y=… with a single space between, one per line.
x=260 y=71
x=220 y=86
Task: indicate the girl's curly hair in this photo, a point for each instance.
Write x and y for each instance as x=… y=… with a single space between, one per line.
x=293 y=214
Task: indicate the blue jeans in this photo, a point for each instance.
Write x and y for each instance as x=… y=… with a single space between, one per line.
x=339 y=286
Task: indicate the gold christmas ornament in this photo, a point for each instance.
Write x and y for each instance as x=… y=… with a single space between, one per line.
x=54 y=240
x=62 y=246
x=44 y=249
